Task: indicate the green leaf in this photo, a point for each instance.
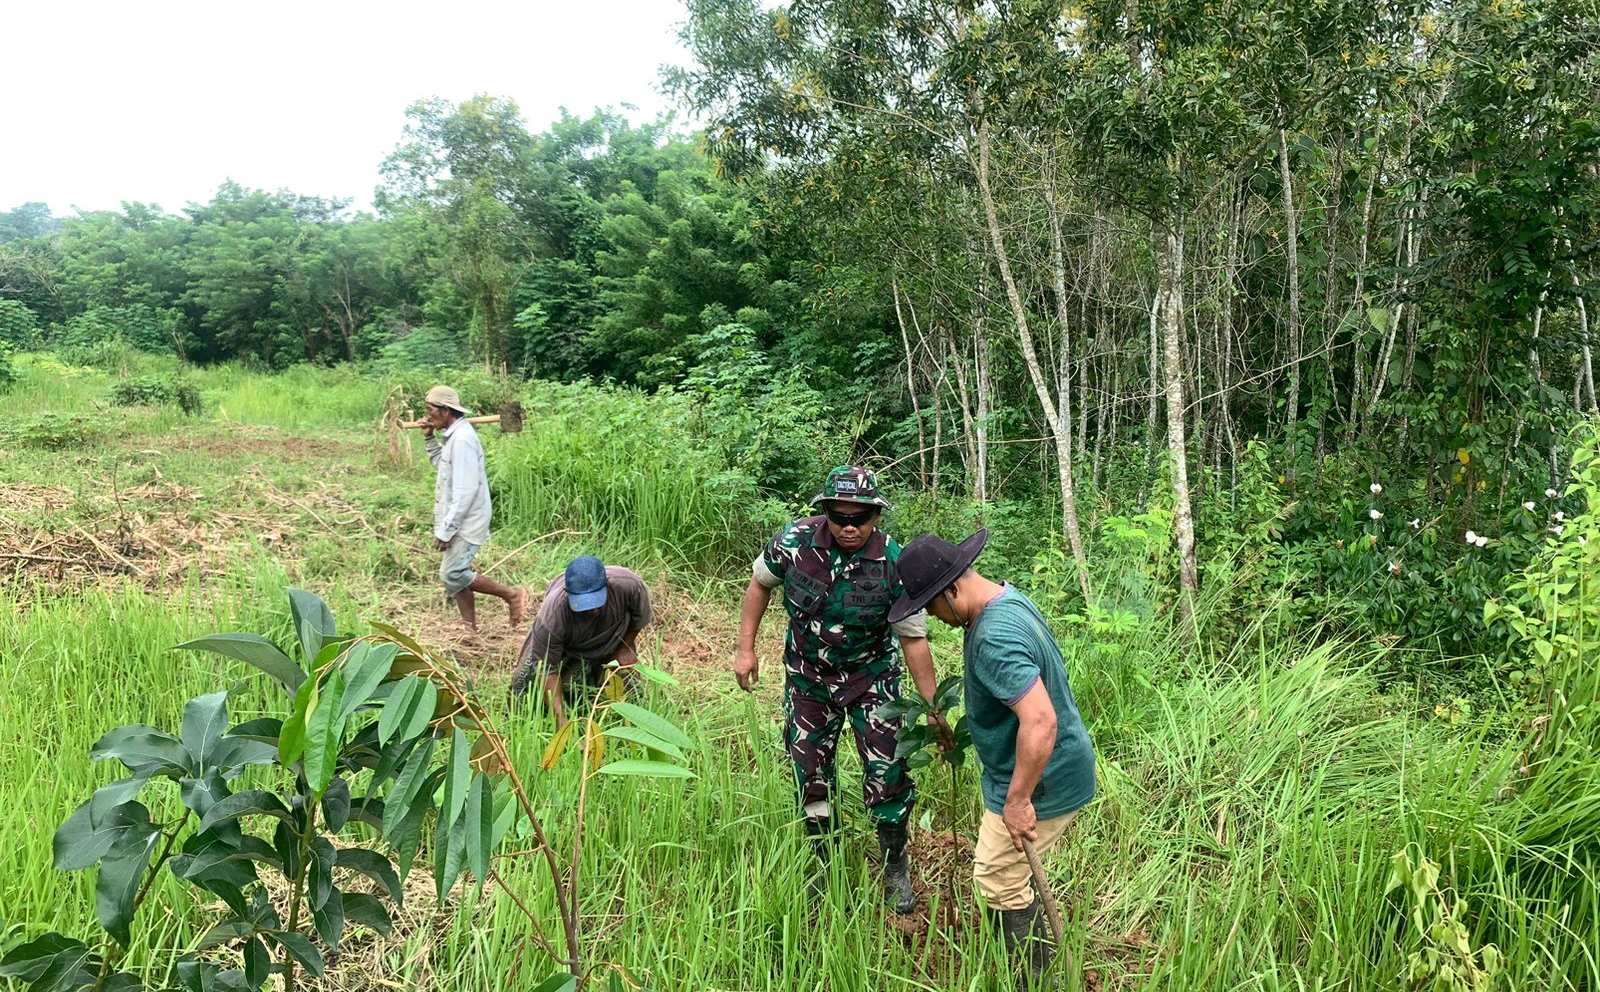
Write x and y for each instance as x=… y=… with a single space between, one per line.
x=108 y=797
x=373 y=865
x=292 y=741
x=319 y=877
x=656 y=675
x=117 y=882
x=449 y=855
x=407 y=786
x=78 y=843
x=368 y=911
x=225 y=932
x=648 y=769
x=215 y=855
x=245 y=804
x=265 y=729
x=313 y=621
x=144 y=750
x=366 y=665
x=644 y=737
x=407 y=835
x=257 y=962
x=324 y=727
x=299 y=948
x=336 y=805
x=255 y=650
x=455 y=783
x=236 y=752
x=408 y=712
x=202 y=793
x=660 y=726
x=480 y=827
x=28 y=961
x=121 y=981
x=205 y=718
x=559 y=982
x=329 y=918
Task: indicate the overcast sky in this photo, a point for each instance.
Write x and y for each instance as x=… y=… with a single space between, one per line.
x=159 y=101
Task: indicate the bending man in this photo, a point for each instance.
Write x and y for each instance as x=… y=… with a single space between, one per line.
x=591 y=615
x=1038 y=763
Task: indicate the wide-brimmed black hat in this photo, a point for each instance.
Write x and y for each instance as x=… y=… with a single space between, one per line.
x=929 y=565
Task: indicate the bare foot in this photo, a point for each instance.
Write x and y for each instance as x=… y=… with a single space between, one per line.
x=519 y=606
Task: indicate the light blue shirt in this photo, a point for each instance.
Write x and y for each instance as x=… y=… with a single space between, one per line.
x=461 y=488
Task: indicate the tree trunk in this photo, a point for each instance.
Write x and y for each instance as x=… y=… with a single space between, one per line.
x=1292 y=234
x=1169 y=262
x=911 y=388
x=1069 y=492
x=1059 y=432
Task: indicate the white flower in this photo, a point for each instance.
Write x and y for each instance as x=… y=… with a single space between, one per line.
x=1528 y=506
x=1482 y=540
x=1582 y=540
x=1375 y=489
x=1551 y=493
x=1416 y=523
x=1560 y=516
x=1375 y=513
x=1557 y=530
x=1472 y=538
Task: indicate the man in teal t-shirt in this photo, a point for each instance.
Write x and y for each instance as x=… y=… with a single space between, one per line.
x=1038 y=764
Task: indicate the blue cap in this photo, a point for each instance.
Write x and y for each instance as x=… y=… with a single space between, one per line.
x=586 y=584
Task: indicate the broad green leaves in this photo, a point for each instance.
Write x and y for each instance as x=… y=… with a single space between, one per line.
x=289 y=823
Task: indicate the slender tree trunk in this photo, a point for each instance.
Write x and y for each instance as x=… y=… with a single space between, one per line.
x=911 y=388
x=1584 y=380
x=1169 y=261
x=1292 y=233
x=1152 y=437
x=1030 y=353
x=1069 y=492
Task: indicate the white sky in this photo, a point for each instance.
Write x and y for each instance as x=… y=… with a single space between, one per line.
x=159 y=101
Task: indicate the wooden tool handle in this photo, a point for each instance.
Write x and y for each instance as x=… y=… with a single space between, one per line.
x=1051 y=910
x=493 y=418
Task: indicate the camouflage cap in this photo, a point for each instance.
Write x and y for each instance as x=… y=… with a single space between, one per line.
x=852 y=484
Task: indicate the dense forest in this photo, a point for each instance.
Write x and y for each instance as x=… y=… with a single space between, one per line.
x=1298 y=289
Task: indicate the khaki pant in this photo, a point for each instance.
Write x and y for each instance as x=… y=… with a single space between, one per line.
x=1000 y=870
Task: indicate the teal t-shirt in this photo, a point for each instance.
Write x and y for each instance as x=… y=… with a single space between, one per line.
x=1007 y=649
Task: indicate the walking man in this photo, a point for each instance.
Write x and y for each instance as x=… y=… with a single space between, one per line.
x=842 y=661
x=461 y=508
x=591 y=615
x=1038 y=763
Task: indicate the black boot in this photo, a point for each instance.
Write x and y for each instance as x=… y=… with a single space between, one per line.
x=823 y=838
x=1027 y=937
x=896 y=868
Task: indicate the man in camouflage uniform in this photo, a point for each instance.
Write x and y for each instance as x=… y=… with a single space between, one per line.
x=841 y=662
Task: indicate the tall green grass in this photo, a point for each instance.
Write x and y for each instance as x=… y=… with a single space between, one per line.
x=1253 y=790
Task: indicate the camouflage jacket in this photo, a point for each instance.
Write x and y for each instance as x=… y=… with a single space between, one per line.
x=839 y=641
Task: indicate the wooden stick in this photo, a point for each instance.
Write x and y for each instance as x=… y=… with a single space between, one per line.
x=493 y=418
x=1051 y=910
x=21 y=556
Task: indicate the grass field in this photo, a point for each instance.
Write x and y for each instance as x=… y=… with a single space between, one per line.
x=1253 y=798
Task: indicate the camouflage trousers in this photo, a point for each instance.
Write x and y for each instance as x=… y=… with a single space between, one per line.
x=811 y=733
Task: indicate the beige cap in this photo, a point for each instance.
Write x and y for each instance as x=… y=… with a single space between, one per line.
x=445 y=396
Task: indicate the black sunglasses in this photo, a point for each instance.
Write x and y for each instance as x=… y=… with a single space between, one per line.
x=852 y=519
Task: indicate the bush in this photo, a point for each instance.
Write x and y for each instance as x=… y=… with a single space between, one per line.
x=8 y=374
x=19 y=326
x=158 y=391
